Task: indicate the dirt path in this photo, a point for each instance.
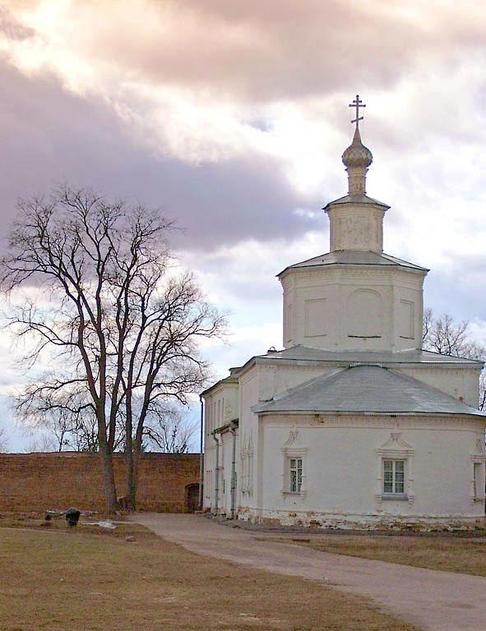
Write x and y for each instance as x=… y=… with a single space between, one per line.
x=441 y=601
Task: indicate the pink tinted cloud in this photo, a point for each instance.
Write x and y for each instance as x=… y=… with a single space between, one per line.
x=276 y=49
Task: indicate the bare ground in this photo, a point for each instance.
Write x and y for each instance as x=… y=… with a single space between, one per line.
x=438 y=601
x=89 y=579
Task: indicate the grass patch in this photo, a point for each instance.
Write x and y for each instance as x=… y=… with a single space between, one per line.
x=451 y=554
x=85 y=526
x=81 y=580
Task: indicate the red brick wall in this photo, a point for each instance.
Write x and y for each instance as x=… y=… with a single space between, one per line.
x=41 y=481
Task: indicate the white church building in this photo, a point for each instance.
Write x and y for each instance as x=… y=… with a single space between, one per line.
x=351 y=423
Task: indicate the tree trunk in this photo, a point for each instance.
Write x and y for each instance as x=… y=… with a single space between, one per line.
x=109 y=485
x=132 y=478
x=130 y=456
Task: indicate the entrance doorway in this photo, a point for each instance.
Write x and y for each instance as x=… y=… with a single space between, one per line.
x=192 y=497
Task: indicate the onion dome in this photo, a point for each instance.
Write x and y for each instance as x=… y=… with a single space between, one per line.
x=357 y=155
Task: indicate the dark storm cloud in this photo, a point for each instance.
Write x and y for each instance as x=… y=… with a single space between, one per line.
x=49 y=137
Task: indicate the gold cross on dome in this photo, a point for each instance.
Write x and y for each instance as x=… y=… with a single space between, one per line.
x=357 y=103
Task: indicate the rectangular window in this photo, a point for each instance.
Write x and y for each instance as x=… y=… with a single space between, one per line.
x=394 y=477
x=295 y=475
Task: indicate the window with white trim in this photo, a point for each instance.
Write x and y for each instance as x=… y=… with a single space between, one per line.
x=295 y=475
x=393 y=477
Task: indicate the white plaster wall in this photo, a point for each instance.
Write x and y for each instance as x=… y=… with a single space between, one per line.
x=225 y=472
x=262 y=382
x=220 y=407
x=460 y=383
x=356 y=227
x=275 y=379
x=249 y=433
x=353 y=308
x=209 y=473
x=342 y=466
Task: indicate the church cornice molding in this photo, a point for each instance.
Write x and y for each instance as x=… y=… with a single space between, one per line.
x=341 y=271
x=388 y=423
x=249 y=370
x=348 y=203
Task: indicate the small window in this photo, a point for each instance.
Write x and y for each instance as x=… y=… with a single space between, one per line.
x=394 y=477
x=295 y=475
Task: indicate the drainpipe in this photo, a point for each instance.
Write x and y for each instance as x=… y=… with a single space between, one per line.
x=201 y=455
x=233 y=474
x=216 y=486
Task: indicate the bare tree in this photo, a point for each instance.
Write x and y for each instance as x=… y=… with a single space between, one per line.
x=70 y=428
x=42 y=442
x=168 y=430
x=117 y=327
x=444 y=335
x=3 y=440
x=482 y=391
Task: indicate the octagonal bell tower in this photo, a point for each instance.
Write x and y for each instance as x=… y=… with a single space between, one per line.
x=355 y=297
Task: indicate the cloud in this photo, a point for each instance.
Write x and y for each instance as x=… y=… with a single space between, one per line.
x=232 y=116
x=12 y=28
x=252 y=50
x=50 y=136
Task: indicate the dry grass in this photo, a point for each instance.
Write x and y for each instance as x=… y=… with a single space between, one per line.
x=451 y=554
x=75 y=579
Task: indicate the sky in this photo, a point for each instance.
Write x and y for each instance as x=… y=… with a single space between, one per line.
x=232 y=116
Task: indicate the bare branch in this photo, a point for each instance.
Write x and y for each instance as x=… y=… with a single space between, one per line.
x=120 y=331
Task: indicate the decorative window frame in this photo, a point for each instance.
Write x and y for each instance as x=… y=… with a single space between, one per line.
x=395 y=448
x=479 y=457
x=243 y=470
x=289 y=453
x=292 y=449
x=246 y=476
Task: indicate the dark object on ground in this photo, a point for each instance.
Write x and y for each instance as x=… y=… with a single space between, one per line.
x=72 y=517
x=123 y=502
x=54 y=513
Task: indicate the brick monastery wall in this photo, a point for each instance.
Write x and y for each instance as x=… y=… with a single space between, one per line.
x=41 y=481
